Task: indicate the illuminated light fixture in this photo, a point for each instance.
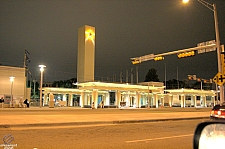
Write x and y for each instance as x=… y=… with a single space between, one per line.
x=158 y=58
x=186 y=54
x=90 y=35
x=185 y=1
x=11 y=79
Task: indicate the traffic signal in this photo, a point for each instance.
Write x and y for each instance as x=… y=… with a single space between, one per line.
x=158 y=58
x=186 y=54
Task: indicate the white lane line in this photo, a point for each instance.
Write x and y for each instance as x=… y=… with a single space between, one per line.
x=133 y=141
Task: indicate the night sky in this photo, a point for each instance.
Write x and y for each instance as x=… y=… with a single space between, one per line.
x=124 y=29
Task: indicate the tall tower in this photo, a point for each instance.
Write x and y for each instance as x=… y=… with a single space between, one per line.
x=86 y=54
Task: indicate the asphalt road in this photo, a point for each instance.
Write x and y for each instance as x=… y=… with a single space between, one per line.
x=154 y=135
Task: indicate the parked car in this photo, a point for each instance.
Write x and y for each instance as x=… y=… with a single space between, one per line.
x=218 y=112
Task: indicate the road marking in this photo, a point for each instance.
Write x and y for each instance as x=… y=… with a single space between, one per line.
x=180 y=136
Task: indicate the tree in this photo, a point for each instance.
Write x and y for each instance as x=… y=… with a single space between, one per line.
x=65 y=83
x=151 y=76
x=176 y=84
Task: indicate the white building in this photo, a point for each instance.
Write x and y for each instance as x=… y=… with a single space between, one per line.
x=15 y=87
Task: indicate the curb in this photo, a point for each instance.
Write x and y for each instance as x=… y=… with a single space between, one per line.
x=97 y=122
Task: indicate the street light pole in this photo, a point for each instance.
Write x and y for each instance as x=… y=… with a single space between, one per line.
x=218 y=51
x=34 y=88
x=11 y=80
x=42 y=70
x=213 y=8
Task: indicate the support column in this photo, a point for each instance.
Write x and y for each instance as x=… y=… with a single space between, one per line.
x=141 y=101
x=95 y=97
x=195 y=101
x=195 y=98
x=70 y=100
x=131 y=101
x=64 y=97
x=51 y=101
x=162 y=101
x=203 y=101
x=88 y=100
x=182 y=101
x=118 y=98
x=155 y=100
x=103 y=98
x=213 y=100
x=81 y=100
x=137 y=100
x=170 y=100
x=145 y=100
x=107 y=99
x=45 y=99
x=127 y=99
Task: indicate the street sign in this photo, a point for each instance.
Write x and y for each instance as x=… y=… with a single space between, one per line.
x=219 y=79
x=201 y=50
x=211 y=42
x=147 y=57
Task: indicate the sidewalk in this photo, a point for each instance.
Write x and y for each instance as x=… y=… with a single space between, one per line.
x=35 y=116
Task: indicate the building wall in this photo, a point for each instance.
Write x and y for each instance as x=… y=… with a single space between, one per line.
x=19 y=84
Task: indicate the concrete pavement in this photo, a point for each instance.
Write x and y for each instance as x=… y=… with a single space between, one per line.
x=61 y=116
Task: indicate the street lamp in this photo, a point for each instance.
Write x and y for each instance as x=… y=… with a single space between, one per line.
x=11 y=80
x=34 y=88
x=212 y=7
x=42 y=70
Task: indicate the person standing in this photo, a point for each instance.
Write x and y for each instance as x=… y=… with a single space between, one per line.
x=2 y=102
